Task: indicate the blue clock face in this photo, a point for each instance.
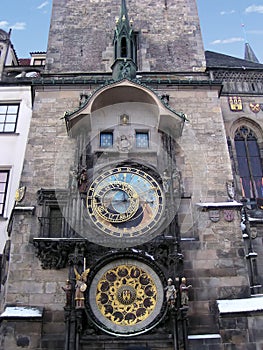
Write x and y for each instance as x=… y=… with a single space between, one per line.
x=125 y=202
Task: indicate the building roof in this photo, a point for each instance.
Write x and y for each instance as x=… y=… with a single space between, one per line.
x=249 y=54
x=37 y=53
x=219 y=60
x=24 y=61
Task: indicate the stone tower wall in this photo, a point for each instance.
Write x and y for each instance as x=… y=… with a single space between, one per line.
x=80 y=38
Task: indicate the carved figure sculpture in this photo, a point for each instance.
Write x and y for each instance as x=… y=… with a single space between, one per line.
x=68 y=290
x=82 y=181
x=184 y=292
x=80 y=288
x=171 y=293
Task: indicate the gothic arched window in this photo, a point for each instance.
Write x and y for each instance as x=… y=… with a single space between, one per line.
x=123 y=47
x=116 y=49
x=249 y=163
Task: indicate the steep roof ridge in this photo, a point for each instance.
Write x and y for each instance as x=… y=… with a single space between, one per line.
x=219 y=60
x=249 y=54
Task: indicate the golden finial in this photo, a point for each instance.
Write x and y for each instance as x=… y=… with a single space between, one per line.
x=124 y=119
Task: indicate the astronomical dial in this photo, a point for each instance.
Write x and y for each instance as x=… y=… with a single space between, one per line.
x=126 y=297
x=125 y=202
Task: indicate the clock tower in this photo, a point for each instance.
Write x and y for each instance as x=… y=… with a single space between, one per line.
x=125 y=175
x=166 y=35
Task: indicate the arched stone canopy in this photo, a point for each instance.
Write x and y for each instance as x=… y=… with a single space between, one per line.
x=121 y=92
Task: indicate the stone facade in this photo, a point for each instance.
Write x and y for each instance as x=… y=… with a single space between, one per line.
x=169 y=37
x=175 y=106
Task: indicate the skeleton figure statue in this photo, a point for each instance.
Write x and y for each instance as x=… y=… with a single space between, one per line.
x=184 y=292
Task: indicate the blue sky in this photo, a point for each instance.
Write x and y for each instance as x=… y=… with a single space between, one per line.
x=225 y=24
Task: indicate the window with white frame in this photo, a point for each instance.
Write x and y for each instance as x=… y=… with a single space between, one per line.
x=8 y=117
x=4 y=176
x=39 y=61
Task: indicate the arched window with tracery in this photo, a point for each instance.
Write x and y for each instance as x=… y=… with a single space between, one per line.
x=124 y=47
x=249 y=162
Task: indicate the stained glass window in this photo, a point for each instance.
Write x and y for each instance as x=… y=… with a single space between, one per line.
x=249 y=163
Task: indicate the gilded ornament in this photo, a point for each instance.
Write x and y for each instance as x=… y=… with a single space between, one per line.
x=20 y=194
x=126 y=295
x=235 y=103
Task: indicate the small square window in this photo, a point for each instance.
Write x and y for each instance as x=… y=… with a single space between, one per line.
x=106 y=139
x=39 y=62
x=142 y=139
x=8 y=117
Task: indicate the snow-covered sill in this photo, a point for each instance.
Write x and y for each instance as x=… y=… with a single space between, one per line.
x=190 y=239
x=204 y=336
x=211 y=205
x=22 y=312
x=255 y=219
x=240 y=305
x=31 y=209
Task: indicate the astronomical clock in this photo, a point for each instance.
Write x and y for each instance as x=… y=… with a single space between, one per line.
x=122 y=241
x=124 y=209
x=126 y=206
x=125 y=222
x=128 y=226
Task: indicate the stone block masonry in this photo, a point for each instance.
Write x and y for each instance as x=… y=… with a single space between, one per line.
x=169 y=37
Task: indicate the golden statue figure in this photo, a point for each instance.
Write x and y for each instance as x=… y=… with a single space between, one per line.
x=80 y=287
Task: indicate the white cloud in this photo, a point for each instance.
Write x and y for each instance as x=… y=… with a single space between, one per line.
x=256 y=32
x=3 y=24
x=44 y=4
x=226 y=41
x=19 y=26
x=254 y=8
x=227 y=12
x=16 y=26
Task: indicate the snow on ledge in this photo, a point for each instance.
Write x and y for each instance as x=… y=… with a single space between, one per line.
x=19 y=208
x=234 y=204
x=240 y=305
x=22 y=312
x=204 y=336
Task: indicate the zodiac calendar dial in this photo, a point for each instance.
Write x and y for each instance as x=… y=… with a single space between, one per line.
x=126 y=297
x=125 y=202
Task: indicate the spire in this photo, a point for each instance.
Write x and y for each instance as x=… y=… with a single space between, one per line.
x=124 y=12
x=124 y=46
x=123 y=25
x=249 y=54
